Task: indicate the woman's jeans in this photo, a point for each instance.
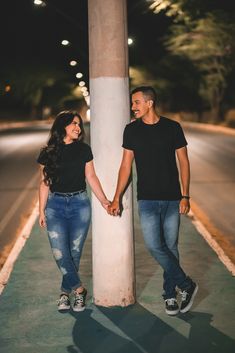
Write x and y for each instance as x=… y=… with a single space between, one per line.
x=160 y=222
x=68 y=220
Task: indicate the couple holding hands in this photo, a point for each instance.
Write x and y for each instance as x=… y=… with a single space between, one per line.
x=66 y=163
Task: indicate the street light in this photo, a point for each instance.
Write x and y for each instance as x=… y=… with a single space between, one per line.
x=39 y=3
x=82 y=83
x=65 y=42
x=130 y=41
x=79 y=75
x=73 y=63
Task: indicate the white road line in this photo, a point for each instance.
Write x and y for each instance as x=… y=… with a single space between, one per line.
x=17 y=203
x=19 y=244
x=213 y=243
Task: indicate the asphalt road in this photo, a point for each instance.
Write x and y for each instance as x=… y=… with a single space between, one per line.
x=18 y=181
x=212 y=157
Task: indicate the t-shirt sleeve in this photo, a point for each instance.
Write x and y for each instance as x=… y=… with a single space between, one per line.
x=179 y=138
x=42 y=157
x=127 y=140
x=88 y=154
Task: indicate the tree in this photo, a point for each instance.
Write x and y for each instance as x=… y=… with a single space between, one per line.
x=208 y=44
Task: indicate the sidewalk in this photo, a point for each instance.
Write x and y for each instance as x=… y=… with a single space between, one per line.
x=30 y=323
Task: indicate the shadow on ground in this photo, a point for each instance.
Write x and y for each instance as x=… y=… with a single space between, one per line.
x=135 y=329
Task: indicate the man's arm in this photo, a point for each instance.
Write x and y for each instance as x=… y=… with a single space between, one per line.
x=123 y=177
x=182 y=156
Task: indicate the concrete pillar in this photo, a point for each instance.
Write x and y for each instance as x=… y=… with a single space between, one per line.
x=113 y=255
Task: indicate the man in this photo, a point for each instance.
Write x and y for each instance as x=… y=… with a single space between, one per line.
x=154 y=142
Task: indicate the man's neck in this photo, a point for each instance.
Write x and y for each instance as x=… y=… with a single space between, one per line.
x=151 y=118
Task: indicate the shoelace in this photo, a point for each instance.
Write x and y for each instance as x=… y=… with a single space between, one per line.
x=63 y=300
x=171 y=301
x=79 y=299
x=184 y=295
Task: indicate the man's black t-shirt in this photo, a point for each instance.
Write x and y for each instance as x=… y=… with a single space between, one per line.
x=154 y=148
x=71 y=173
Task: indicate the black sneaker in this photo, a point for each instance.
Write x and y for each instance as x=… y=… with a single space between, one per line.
x=80 y=300
x=171 y=307
x=188 y=296
x=64 y=302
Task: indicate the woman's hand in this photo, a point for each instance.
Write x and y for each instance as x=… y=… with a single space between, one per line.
x=42 y=220
x=105 y=204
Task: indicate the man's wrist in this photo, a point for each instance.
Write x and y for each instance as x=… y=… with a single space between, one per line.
x=187 y=197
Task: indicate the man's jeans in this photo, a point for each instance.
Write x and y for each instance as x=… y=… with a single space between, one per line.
x=160 y=225
x=68 y=220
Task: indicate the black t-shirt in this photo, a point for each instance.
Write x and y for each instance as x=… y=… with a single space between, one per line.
x=154 y=151
x=71 y=174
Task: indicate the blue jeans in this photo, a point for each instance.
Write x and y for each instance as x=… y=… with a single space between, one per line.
x=160 y=222
x=68 y=220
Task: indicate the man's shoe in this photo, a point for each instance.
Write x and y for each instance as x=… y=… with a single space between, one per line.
x=188 y=296
x=80 y=300
x=64 y=302
x=171 y=307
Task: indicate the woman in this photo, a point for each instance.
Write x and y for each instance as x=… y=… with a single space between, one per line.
x=64 y=207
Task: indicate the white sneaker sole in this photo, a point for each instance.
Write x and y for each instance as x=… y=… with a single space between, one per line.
x=63 y=308
x=188 y=307
x=171 y=312
x=79 y=309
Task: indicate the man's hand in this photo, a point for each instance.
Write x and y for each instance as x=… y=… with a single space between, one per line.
x=114 y=208
x=184 y=206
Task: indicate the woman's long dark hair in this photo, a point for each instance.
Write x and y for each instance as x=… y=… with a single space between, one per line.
x=52 y=151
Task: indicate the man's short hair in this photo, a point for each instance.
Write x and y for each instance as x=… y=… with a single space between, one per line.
x=148 y=92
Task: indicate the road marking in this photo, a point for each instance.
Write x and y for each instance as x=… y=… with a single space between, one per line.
x=213 y=243
x=19 y=244
x=17 y=203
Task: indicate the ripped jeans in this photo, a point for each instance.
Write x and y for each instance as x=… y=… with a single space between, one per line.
x=68 y=220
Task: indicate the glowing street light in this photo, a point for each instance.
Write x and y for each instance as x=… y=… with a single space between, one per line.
x=79 y=75
x=82 y=83
x=130 y=41
x=39 y=3
x=73 y=63
x=65 y=42
x=84 y=89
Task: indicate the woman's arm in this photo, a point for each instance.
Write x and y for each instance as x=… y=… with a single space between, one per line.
x=95 y=184
x=43 y=195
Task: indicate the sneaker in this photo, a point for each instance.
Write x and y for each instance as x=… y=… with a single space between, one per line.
x=80 y=300
x=188 y=296
x=171 y=307
x=64 y=302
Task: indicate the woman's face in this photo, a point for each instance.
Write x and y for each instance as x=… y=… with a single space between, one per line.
x=73 y=130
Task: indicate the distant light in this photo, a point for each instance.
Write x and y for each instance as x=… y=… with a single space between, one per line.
x=84 y=89
x=87 y=99
x=79 y=75
x=85 y=94
x=7 y=88
x=73 y=63
x=88 y=115
x=39 y=2
x=65 y=42
x=130 y=41
x=82 y=83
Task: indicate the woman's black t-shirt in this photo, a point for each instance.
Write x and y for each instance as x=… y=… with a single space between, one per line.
x=71 y=171
x=154 y=151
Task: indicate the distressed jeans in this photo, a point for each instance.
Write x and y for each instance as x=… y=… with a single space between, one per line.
x=160 y=222
x=68 y=220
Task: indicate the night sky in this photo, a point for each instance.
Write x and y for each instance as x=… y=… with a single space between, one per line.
x=31 y=35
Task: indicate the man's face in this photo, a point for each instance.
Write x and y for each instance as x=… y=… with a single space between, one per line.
x=140 y=105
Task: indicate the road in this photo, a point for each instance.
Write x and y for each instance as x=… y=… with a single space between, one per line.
x=18 y=181
x=212 y=157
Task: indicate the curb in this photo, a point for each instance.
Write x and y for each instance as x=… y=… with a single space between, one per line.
x=16 y=250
